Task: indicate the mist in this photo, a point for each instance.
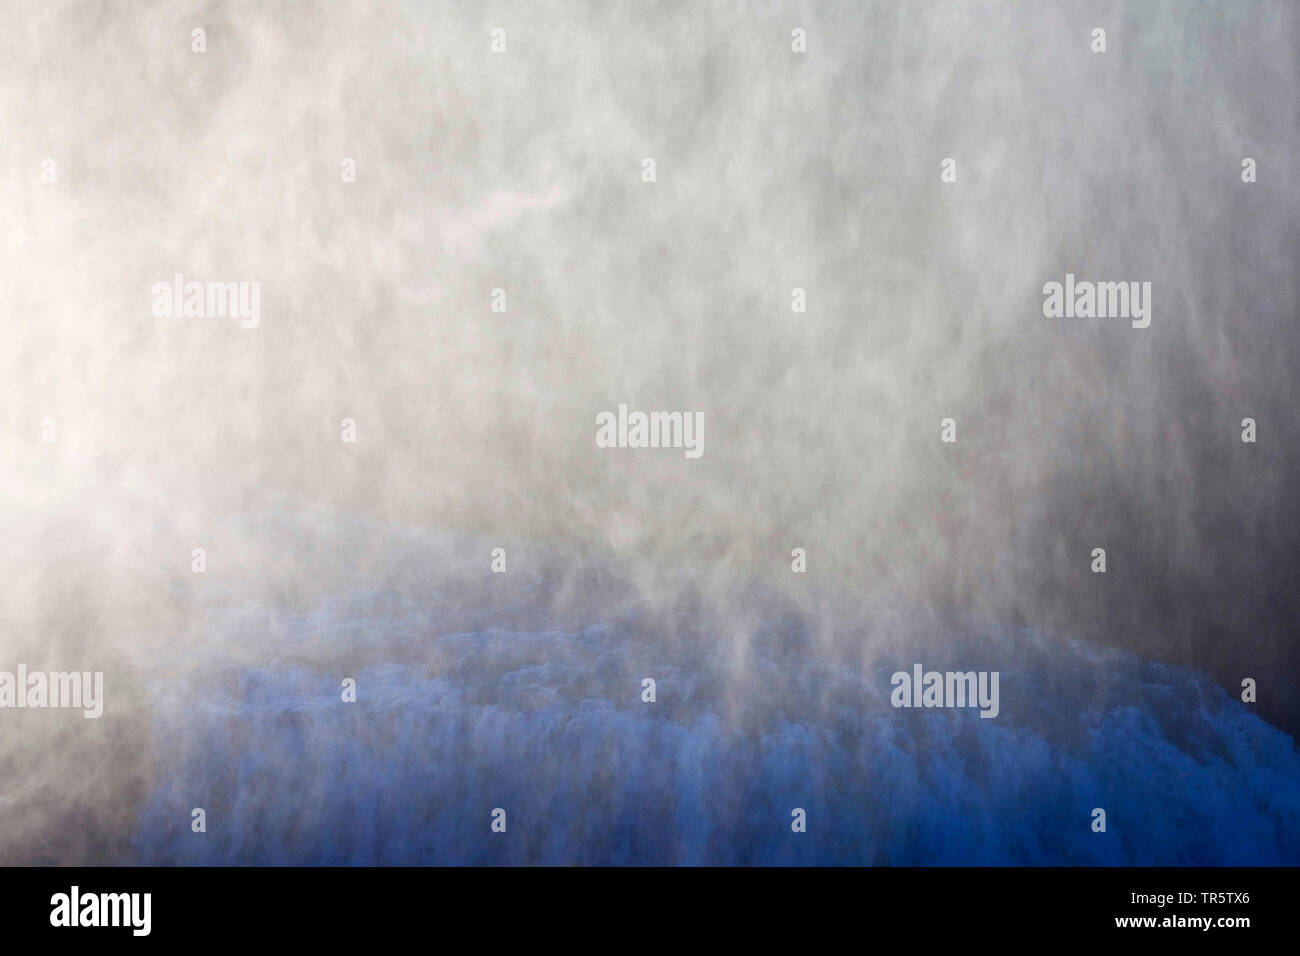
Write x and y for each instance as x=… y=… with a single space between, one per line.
x=523 y=171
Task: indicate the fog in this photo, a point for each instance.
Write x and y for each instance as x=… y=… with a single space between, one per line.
x=523 y=171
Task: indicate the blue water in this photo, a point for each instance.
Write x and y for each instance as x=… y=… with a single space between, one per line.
x=550 y=727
